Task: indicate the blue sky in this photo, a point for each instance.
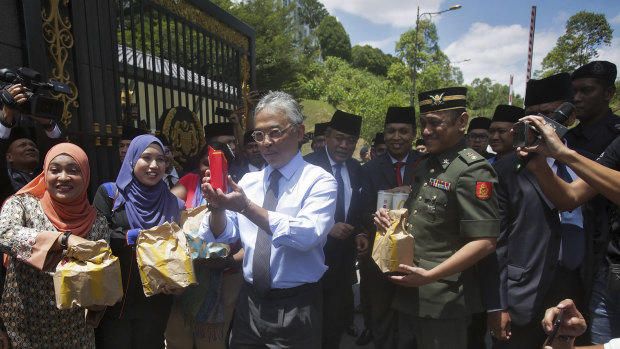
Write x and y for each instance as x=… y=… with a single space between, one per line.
x=491 y=34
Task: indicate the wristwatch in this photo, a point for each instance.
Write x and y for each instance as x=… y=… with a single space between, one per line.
x=63 y=240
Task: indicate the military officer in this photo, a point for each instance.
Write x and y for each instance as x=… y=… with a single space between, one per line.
x=453 y=216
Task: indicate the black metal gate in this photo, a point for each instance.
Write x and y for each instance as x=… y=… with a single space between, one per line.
x=129 y=61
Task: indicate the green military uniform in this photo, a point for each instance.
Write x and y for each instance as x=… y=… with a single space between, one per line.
x=453 y=200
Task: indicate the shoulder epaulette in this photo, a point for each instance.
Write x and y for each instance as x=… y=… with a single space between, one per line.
x=470 y=156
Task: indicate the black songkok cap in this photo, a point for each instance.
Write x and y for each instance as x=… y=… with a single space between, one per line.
x=420 y=141
x=248 y=138
x=19 y=133
x=603 y=70
x=400 y=115
x=130 y=132
x=479 y=123
x=378 y=140
x=164 y=140
x=219 y=129
x=319 y=129
x=350 y=124
x=450 y=98
x=508 y=113
x=554 y=88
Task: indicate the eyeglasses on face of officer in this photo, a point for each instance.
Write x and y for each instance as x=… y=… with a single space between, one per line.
x=273 y=134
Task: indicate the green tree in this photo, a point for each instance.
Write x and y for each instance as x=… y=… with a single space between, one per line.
x=432 y=66
x=279 y=49
x=483 y=96
x=312 y=13
x=585 y=32
x=333 y=39
x=353 y=90
x=371 y=59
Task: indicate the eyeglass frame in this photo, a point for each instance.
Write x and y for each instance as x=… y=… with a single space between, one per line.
x=276 y=130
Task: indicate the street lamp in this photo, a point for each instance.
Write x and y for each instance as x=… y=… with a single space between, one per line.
x=415 y=48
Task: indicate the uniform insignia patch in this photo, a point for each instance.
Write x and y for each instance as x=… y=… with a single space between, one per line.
x=433 y=182
x=446 y=162
x=483 y=190
x=437 y=99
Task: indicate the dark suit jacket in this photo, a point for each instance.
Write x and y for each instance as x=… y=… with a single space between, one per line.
x=380 y=174
x=340 y=254
x=518 y=275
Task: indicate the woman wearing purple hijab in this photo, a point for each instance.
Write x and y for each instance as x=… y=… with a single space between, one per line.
x=139 y=199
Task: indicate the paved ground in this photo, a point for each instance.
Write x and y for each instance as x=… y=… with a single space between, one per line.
x=348 y=342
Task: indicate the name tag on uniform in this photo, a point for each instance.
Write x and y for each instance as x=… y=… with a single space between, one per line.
x=433 y=182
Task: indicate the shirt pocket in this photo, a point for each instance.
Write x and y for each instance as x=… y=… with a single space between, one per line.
x=432 y=204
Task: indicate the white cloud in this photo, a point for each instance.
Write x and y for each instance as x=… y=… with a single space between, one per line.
x=386 y=45
x=497 y=52
x=610 y=53
x=615 y=20
x=398 y=13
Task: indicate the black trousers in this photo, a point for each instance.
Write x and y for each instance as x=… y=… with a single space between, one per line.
x=289 y=318
x=114 y=333
x=337 y=312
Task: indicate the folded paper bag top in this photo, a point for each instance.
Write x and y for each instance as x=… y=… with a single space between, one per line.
x=395 y=246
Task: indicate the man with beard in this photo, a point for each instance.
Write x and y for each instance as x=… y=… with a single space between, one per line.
x=391 y=171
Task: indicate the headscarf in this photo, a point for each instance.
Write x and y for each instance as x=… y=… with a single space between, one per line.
x=146 y=206
x=77 y=216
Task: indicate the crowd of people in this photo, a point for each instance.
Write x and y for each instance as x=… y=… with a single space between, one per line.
x=505 y=237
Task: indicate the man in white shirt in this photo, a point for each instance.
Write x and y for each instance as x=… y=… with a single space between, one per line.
x=283 y=214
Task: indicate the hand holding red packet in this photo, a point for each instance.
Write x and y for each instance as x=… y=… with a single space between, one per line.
x=218 y=165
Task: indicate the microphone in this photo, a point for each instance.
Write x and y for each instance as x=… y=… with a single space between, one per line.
x=557 y=120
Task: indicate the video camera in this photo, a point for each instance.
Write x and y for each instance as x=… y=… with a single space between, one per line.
x=38 y=104
x=523 y=132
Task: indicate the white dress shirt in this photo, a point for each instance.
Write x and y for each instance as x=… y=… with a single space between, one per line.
x=303 y=217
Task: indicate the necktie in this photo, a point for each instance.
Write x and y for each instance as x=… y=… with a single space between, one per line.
x=170 y=182
x=573 y=240
x=339 y=215
x=399 y=177
x=261 y=272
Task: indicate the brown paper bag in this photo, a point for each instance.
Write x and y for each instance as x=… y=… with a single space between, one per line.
x=88 y=275
x=190 y=223
x=164 y=259
x=395 y=246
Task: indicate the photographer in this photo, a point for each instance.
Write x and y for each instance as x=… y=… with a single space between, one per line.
x=9 y=117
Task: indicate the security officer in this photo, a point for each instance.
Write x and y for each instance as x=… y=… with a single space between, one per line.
x=594 y=88
x=453 y=216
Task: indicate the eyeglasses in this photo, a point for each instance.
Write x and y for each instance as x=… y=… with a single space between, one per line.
x=273 y=134
x=478 y=137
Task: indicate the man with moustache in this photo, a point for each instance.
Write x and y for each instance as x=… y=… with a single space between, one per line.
x=341 y=137
x=454 y=219
x=391 y=171
x=500 y=137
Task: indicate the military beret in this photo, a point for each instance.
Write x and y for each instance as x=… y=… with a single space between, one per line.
x=603 y=70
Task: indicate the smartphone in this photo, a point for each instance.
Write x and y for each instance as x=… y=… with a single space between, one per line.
x=556 y=326
x=223 y=112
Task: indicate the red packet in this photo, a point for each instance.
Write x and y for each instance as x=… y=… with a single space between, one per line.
x=219 y=169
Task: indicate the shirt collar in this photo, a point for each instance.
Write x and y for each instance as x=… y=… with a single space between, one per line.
x=174 y=173
x=394 y=160
x=447 y=156
x=289 y=169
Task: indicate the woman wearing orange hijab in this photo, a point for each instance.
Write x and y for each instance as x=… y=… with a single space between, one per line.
x=37 y=225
